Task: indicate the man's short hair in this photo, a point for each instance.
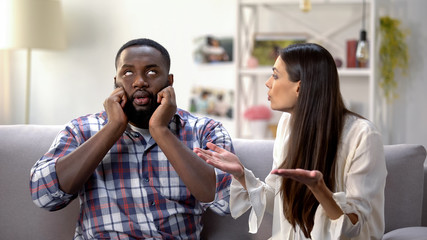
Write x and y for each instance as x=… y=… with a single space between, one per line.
x=149 y=43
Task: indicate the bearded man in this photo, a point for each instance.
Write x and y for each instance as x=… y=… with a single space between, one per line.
x=132 y=165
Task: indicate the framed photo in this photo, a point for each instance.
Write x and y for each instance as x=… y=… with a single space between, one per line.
x=212 y=101
x=267 y=45
x=213 y=49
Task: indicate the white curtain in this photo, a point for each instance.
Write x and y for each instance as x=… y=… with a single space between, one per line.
x=5 y=88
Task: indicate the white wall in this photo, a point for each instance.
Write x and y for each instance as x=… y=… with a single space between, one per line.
x=408 y=115
x=75 y=81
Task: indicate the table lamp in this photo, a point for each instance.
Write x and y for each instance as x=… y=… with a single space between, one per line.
x=362 y=50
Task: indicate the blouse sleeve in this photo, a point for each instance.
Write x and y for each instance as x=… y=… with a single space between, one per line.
x=362 y=192
x=258 y=194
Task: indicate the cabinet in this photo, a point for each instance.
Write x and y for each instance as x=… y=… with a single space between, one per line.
x=330 y=23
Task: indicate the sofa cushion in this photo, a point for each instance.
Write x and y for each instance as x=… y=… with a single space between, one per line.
x=404 y=185
x=412 y=233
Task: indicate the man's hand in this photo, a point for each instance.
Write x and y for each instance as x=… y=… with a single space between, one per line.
x=74 y=169
x=164 y=113
x=114 y=105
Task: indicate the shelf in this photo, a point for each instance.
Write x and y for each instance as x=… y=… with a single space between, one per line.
x=330 y=23
x=256 y=71
x=354 y=72
x=284 y=2
x=342 y=72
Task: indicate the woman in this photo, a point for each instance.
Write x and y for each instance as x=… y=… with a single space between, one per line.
x=329 y=170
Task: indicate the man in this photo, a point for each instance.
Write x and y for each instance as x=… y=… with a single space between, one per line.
x=132 y=165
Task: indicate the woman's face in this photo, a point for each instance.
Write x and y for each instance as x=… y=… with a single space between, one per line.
x=282 y=93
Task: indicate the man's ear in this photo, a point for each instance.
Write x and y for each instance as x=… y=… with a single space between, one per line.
x=117 y=84
x=170 y=80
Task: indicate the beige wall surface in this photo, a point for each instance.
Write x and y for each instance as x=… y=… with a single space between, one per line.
x=75 y=81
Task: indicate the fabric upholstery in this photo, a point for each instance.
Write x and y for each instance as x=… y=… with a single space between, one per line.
x=20 y=218
x=404 y=185
x=256 y=155
x=413 y=233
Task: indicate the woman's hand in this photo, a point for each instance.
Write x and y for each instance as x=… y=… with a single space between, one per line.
x=311 y=179
x=314 y=181
x=222 y=159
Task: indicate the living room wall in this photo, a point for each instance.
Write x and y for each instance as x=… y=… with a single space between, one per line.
x=76 y=80
x=408 y=113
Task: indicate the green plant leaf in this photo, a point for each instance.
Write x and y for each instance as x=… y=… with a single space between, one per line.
x=393 y=54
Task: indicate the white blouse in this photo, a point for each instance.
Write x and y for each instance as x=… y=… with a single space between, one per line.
x=360 y=181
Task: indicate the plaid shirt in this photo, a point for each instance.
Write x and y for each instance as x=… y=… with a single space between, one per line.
x=134 y=193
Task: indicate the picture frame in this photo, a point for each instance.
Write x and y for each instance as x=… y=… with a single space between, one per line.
x=266 y=46
x=210 y=49
x=210 y=101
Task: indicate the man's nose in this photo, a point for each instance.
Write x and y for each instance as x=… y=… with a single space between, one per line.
x=140 y=82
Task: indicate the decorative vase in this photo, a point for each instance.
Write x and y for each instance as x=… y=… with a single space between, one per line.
x=258 y=128
x=252 y=62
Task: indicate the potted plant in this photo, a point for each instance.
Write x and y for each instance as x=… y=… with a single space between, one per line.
x=393 y=53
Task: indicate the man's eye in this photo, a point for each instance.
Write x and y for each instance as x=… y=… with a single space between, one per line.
x=151 y=73
x=128 y=73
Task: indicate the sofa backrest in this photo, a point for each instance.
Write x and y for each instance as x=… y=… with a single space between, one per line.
x=22 y=145
x=404 y=185
x=257 y=156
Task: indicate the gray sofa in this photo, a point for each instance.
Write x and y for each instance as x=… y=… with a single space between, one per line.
x=22 y=145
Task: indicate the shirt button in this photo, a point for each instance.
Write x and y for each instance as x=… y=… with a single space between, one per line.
x=146 y=179
x=153 y=203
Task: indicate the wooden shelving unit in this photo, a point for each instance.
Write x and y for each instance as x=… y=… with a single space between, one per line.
x=330 y=23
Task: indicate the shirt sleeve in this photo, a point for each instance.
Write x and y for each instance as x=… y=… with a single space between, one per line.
x=44 y=184
x=363 y=193
x=216 y=133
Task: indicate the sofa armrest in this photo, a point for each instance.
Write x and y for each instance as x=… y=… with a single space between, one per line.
x=20 y=147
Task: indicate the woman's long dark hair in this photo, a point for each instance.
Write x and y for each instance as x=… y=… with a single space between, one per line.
x=317 y=122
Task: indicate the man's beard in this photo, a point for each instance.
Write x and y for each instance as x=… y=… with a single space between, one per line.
x=140 y=118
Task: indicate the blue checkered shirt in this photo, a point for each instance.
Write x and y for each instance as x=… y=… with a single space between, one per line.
x=134 y=193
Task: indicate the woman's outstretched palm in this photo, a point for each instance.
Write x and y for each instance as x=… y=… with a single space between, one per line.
x=222 y=159
x=307 y=177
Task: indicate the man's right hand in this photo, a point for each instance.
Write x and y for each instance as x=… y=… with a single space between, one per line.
x=114 y=105
x=74 y=169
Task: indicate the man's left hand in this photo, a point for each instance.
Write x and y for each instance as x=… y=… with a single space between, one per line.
x=166 y=110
